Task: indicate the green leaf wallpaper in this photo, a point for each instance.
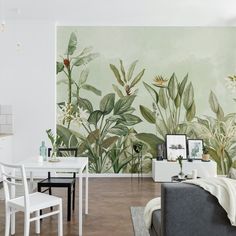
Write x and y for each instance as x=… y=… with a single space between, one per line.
x=119 y=88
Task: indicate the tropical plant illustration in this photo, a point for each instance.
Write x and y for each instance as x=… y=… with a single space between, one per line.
x=67 y=65
x=219 y=134
x=108 y=131
x=169 y=102
x=126 y=79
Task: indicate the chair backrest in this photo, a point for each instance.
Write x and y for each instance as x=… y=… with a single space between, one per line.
x=65 y=152
x=10 y=180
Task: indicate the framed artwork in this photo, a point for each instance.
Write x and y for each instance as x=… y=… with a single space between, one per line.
x=195 y=147
x=176 y=146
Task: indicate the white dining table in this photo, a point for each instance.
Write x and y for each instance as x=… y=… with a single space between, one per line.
x=66 y=164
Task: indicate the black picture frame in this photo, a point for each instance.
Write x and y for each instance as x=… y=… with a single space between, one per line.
x=195 y=149
x=176 y=145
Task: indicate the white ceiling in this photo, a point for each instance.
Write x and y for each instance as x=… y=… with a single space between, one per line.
x=123 y=12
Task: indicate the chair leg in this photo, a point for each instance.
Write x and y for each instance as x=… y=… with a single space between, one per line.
x=50 y=193
x=39 y=190
x=73 y=197
x=7 y=221
x=60 y=220
x=26 y=224
x=69 y=204
x=37 y=223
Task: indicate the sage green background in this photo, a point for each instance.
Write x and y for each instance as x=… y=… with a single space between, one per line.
x=207 y=54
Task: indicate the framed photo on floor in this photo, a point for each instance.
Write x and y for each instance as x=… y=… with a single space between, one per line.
x=195 y=149
x=175 y=146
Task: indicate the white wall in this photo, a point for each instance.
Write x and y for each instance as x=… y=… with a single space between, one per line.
x=27 y=82
x=27 y=73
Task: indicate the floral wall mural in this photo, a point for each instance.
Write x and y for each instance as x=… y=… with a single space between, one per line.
x=120 y=90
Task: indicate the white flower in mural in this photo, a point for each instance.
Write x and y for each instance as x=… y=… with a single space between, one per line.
x=65 y=114
x=81 y=117
x=231 y=83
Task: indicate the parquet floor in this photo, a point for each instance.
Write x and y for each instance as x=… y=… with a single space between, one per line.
x=109 y=208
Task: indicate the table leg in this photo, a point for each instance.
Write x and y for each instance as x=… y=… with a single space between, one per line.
x=80 y=201
x=13 y=215
x=86 y=191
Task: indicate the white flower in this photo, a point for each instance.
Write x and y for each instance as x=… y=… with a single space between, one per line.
x=81 y=117
x=65 y=114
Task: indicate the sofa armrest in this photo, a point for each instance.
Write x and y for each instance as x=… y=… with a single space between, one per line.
x=190 y=210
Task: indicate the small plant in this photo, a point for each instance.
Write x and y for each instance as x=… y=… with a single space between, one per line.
x=205 y=150
x=180 y=161
x=56 y=141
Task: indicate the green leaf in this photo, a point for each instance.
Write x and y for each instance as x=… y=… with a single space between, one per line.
x=92 y=89
x=117 y=74
x=173 y=87
x=72 y=44
x=119 y=130
x=191 y=112
x=177 y=101
x=67 y=136
x=123 y=105
x=83 y=76
x=93 y=136
x=115 y=118
x=214 y=104
x=148 y=114
x=151 y=140
x=85 y=59
x=129 y=119
x=152 y=92
x=131 y=70
x=118 y=91
x=203 y=122
x=85 y=104
x=137 y=78
x=162 y=98
x=188 y=96
x=95 y=117
x=220 y=113
x=109 y=141
x=86 y=50
x=107 y=103
x=182 y=85
x=122 y=69
x=60 y=67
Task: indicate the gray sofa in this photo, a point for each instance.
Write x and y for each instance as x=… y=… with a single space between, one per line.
x=188 y=210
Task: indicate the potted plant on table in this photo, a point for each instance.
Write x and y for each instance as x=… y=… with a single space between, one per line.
x=56 y=142
x=205 y=155
x=181 y=174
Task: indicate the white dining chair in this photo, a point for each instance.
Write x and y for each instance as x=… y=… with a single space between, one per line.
x=28 y=203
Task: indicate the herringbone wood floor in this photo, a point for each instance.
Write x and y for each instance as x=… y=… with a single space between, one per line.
x=109 y=208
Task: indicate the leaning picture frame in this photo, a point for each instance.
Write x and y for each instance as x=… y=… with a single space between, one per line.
x=195 y=149
x=176 y=146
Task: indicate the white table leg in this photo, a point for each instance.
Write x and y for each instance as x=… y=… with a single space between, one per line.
x=13 y=215
x=86 y=190
x=80 y=201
